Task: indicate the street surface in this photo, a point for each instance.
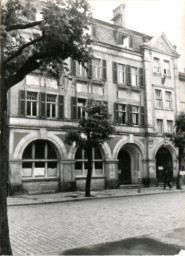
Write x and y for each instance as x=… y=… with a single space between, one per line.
x=54 y=228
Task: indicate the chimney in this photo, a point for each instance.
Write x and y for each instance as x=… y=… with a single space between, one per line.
x=119 y=15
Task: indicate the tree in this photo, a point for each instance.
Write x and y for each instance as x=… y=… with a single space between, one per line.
x=94 y=128
x=178 y=140
x=28 y=44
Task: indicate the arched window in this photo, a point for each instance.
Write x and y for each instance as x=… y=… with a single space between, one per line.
x=39 y=160
x=81 y=163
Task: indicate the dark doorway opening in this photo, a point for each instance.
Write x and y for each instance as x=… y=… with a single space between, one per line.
x=163 y=161
x=124 y=167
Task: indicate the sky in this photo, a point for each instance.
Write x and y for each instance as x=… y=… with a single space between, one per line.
x=150 y=17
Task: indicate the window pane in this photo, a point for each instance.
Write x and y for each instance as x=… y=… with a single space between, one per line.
x=28 y=152
x=39 y=149
x=78 y=166
x=53 y=110
x=27 y=165
x=34 y=110
x=48 y=110
x=78 y=154
x=52 y=169
x=39 y=164
x=99 y=172
x=98 y=165
x=27 y=169
x=86 y=165
x=97 y=154
x=51 y=152
x=29 y=108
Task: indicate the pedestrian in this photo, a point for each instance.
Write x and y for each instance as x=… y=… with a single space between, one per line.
x=166 y=178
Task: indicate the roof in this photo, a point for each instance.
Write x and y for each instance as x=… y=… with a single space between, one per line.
x=126 y=29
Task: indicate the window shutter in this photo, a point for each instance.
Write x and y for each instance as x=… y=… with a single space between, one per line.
x=116 y=114
x=104 y=70
x=119 y=39
x=90 y=69
x=61 y=107
x=128 y=74
x=129 y=114
x=114 y=72
x=42 y=104
x=142 y=116
x=22 y=103
x=141 y=77
x=131 y=42
x=73 y=67
x=93 y=31
x=74 y=108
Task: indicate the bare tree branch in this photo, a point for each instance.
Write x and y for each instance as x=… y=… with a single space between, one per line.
x=20 y=50
x=23 y=26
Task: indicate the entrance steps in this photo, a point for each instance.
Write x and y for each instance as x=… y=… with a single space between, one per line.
x=130 y=186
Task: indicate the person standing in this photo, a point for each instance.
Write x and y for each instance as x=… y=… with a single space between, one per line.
x=166 y=178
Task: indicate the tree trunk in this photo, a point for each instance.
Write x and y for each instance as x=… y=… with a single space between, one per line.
x=89 y=173
x=5 y=247
x=179 y=177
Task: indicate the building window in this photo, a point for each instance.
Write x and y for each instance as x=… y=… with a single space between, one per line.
x=80 y=70
x=81 y=163
x=51 y=105
x=81 y=108
x=121 y=73
x=158 y=98
x=169 y=126
x=135 y=115
x=31 y=104
x=39 y=160
x=134 y=76
x=96 y=69
x=168 y=99
x=156 y=65
x=166 y=67
x=159 y=125
x=122 y=113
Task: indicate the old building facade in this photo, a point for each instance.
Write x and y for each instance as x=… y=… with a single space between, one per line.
x=137 y=76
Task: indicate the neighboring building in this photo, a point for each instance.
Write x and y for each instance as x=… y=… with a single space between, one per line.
x=137 y=76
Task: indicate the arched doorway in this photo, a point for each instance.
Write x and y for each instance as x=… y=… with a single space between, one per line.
x=163 y=161
x=124 y=167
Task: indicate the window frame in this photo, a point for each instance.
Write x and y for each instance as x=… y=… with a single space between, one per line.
x=31 y=101
x=168 y=101
x=97 y=69
x=166 y=72
x=56 y=103
x=45 y=161
x=170 y=131
x=158 y=99
x=136 y=113
x=122 y=112
x=162 y=126
x=84 y=160
x=121 y=72
x=156 y=68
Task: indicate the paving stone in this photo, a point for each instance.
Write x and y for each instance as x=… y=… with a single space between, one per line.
x=52 y=228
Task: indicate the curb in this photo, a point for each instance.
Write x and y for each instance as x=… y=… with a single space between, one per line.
x=90 y=198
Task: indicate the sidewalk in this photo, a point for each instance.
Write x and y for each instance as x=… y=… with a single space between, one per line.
x=19 y=200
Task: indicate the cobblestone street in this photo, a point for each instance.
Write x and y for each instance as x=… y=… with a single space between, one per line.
x=53 y=228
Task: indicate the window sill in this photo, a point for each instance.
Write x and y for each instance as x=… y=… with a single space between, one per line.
x=157 y=74
x=169 y=109
x=129 y=87
x=40 y=179
x=159 y=108
x=93 y=177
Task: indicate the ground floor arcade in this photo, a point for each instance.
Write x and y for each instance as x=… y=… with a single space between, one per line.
x=41 y=162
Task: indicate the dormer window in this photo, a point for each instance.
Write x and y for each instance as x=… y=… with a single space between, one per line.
x=125 y=40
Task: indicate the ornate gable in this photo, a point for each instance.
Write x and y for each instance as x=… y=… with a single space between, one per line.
x=161 y=43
